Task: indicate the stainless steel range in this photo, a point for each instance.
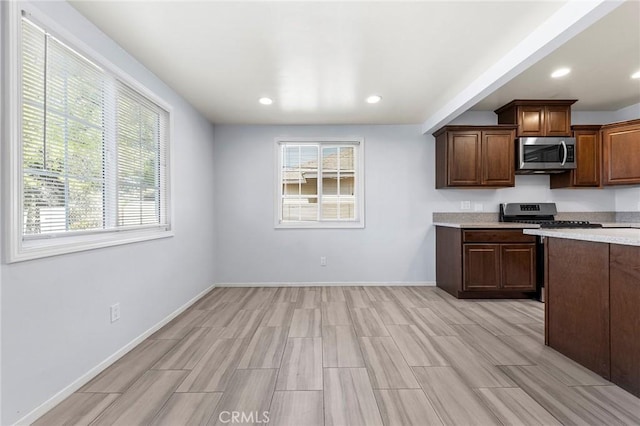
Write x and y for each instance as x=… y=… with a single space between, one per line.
x=542 y=214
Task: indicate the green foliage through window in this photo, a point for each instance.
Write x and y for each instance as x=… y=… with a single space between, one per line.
x=93 y=148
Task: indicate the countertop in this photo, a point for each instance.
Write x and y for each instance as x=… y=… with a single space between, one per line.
x=623 y=236
x=512 y=225
x=486 y=225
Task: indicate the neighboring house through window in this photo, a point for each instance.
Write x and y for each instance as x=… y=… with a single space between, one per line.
x=320 y=183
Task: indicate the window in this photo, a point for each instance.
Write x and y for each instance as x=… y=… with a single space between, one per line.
x=91 y=153
x=320 y=183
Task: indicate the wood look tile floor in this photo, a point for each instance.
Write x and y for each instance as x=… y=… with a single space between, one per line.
x=348 y=356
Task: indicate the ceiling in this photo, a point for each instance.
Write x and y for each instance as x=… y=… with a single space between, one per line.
x=601 y=58
x=318 y=61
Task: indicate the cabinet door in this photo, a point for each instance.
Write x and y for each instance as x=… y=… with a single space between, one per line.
x=621 y=152
x=464 y=158
x=625 y=317
x=481 y=266
x=518 y=263
x=557 y=121
x=498 y=165
x=531 y=120
x=587 y=172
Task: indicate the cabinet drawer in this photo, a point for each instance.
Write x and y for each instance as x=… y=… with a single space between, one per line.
x=496 y=236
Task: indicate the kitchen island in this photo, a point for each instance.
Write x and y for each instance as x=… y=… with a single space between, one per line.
x=592 y=310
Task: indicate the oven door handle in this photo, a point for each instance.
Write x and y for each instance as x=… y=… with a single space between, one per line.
x=564 y=157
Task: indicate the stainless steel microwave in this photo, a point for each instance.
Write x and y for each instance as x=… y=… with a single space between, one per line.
x=545 y=155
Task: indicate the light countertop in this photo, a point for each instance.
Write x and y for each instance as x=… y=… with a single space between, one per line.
x=623 y=236
x=486 y=225
x=514 y=225
x=620 y=225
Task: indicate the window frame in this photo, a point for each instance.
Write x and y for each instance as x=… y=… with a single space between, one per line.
x=358 y=143
x=19 y=247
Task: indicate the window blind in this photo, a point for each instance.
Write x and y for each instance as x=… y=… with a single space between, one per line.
x=140 y=130
x=93 y=148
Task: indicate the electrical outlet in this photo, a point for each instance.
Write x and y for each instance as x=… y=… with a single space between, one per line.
x=478 y=207
x=465 y=205
x=115 y=312
x=323 y=261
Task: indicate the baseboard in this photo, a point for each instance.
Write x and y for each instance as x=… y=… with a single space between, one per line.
x=85 y=378
x=332 y=284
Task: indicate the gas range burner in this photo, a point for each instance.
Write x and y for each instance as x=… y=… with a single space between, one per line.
x=542 y=214
x=561 y=223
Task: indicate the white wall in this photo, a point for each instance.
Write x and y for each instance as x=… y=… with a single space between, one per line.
x=397 y=244
x=55 y=311
x=631 y=112
x=628 y=199
x=392 y=247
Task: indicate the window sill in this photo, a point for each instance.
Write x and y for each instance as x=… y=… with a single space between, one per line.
x=320 y=225
x=46 y=247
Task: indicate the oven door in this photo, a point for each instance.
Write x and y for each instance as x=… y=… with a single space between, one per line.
x=546 y=154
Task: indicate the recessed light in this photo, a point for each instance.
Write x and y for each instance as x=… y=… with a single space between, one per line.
x=636 y=75
x=374 y=99
x=560 y=72
x=265 y=101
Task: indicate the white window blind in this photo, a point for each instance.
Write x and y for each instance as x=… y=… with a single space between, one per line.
x=141 y=128
x=93 y=149
x=320 y=183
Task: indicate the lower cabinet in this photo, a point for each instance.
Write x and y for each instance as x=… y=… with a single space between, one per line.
x=482 y=263
x=518 y=262
x=577 y=301
x=592 y=315
x=481 y=268
x=625 y=317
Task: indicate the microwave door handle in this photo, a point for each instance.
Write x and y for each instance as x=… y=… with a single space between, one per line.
x=564 y=157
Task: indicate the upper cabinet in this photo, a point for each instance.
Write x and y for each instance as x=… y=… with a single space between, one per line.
x=538 y=117
x=588 y=160
x=475 y=156
x=621 y=153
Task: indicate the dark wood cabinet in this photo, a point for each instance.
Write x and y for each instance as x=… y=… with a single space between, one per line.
x=621 y=153
x=558 y=120
x=530 y=120
x=591 y=311
x=481 y=267
x=463 y=158
x=625 y=317
x=588 y=160
x=518 y=266
x=497 y=153
x=475 y=156
x=538 y=117
x=482 y=263
x=577 y=301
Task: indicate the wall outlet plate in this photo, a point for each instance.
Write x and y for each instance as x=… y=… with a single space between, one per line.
x=115 y=312
x=465 y=205
x=478 y=207
x=323 y=261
